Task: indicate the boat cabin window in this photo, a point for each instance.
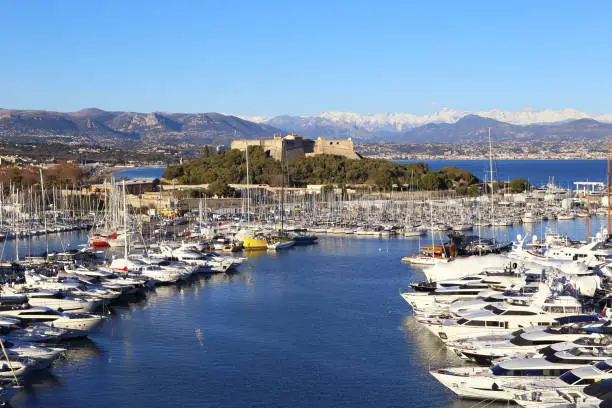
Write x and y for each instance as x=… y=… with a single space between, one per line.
x=519 y=313
x=477 y=323
x=457 y=292
x=603 y=366
x=572 y=379
x=46 y=312
x=498 y=370
x=499 y=311
x=461 y=321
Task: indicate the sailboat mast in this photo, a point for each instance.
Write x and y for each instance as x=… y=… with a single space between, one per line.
x=247 y=186
x=608 y=189
x=44 y=214
x=433 y=241
x=492 y=184
x=125 y=216
x=283 y=189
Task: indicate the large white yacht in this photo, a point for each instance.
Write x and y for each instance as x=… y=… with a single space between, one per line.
x=495 y=319
x=81 y=324
x=420 y=300
x=484 y=351
x=584 y=387
x=501 y=381
x=41 y=357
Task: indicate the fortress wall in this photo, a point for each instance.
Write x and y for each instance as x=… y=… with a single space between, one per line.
x=335 y=147
x=298 y=147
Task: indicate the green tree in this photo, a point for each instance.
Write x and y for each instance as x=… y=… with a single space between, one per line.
x=207 y=151
x=431 y=181
x=230 y=167
x=221 y=190
x=473 y=190
x=519 y=185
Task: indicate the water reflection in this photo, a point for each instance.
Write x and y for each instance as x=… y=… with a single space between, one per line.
x=254 y=253
x=431 y=352
x=37 y=245
x=80 y=351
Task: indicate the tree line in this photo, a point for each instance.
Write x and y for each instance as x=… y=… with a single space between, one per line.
x=229 y=167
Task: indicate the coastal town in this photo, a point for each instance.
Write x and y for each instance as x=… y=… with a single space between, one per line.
x=305 y=204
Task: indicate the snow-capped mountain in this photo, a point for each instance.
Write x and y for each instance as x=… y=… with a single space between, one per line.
x=347 y=122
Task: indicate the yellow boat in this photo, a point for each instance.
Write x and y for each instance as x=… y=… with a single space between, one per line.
x=254 y=243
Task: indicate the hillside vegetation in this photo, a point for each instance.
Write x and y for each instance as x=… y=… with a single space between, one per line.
x=230 y=167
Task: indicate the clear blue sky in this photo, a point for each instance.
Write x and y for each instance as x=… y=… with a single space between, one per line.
x=302 y=57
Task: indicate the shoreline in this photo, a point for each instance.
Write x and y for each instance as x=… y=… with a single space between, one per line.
x=396 y=159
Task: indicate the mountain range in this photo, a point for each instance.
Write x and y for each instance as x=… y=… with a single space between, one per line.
x=445 y=125
x=118 y=128
x=103 y=127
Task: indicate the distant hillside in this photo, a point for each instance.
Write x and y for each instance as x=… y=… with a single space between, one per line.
x=448 y=126
x=475 y=129
x=103 y=127
x=125 y=129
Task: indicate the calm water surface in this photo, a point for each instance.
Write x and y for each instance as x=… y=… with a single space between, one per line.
x=538 y=172
x=316 y=326
x=137 y=172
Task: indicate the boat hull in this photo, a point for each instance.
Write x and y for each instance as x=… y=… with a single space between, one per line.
x=254 y=243
x=281 y=245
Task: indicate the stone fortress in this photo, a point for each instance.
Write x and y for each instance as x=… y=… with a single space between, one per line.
x=294 y=146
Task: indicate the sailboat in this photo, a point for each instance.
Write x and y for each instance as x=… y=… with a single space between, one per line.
x=106 y=233
x=412 y=230
x=250 y=240
x=429 y=255
x=282 y=240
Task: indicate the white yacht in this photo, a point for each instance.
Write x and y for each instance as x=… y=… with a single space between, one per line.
x=42 y=357
x=489 y=322
x=277 y=245
x=485 y=350
x=565 y=391
x=41 y=333
x=56 y=300
x=530 y=218
x=15 y=367
x=424 y=259
x=414 y=231
x=420 y=300
x=499 y=382
x=148 y=270
x=82 y=324
x=584 y=387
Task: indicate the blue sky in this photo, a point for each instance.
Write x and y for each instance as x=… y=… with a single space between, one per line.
x=303 y=57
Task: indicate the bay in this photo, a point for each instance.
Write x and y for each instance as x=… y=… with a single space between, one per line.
x=139 y=172
x=316 y=326
x=537 y=172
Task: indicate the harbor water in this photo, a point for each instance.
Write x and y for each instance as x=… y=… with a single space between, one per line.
x=312 y=326
x=538 y=172
x=139 y=172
